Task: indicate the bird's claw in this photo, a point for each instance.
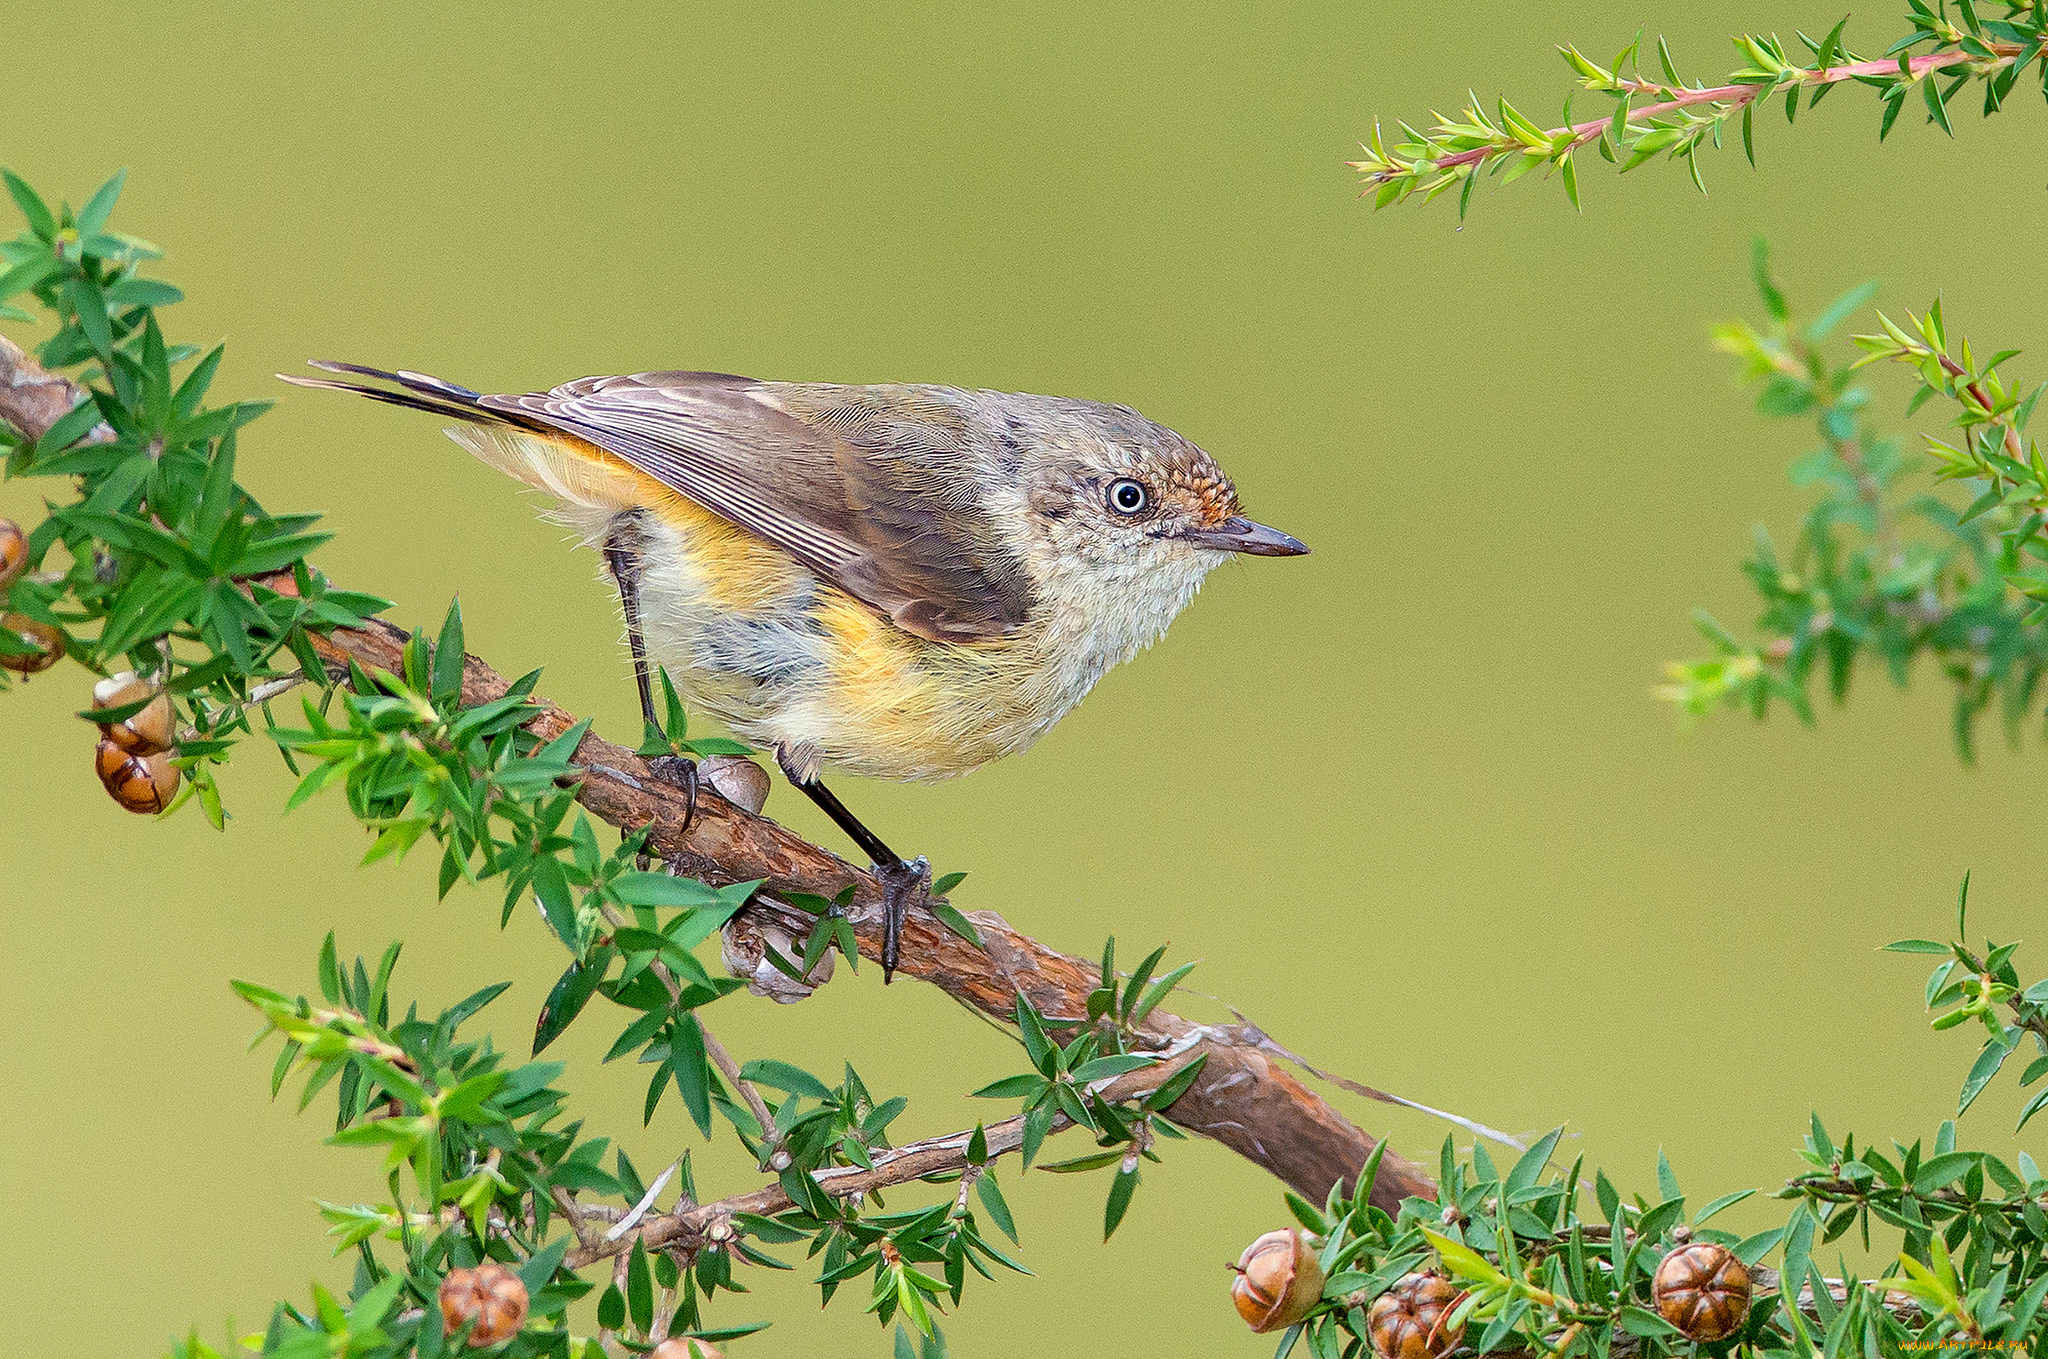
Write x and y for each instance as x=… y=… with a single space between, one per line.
x=676 y=772
x=902 y=883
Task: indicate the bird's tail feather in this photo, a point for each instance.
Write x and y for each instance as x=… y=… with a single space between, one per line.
x=576 y=473
x=417 y=391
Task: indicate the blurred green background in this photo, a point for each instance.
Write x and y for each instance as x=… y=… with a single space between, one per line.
x=1409 y=798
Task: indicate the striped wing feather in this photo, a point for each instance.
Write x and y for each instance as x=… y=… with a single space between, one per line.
x=866 y=486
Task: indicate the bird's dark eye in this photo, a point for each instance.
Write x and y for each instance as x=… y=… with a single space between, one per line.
x=1127 y=496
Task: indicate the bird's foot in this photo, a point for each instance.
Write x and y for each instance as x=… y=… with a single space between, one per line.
x=676 y=772
x=902 y=884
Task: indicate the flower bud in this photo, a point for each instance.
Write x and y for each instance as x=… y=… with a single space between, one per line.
x=1278 y=1280
x=490 y=1293
x=140 y=783
x=1703 y=1290
x=13 y=551
x=737 y=779
x=1411 y=1320
x=142 y=733
x=47 y=639
x=685 y=1347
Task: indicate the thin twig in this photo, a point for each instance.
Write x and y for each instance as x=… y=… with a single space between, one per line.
x=771 y=1142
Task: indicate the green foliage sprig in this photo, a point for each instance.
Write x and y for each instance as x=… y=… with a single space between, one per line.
x=1677 y=120
x=1878 y=570
x=1542 y=1270
x=161 y=549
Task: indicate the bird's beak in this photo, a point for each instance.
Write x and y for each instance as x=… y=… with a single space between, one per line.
x=1239 y=534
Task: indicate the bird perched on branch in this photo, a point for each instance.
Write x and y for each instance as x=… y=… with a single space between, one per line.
x=901 y=581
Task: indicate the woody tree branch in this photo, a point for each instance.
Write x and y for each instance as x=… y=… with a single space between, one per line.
x=1242 y=1097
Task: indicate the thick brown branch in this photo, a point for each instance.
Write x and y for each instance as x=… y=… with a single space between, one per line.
x=1242 y=1099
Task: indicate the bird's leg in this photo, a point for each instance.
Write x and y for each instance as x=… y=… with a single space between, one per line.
x=902 y=879
x=625 y=568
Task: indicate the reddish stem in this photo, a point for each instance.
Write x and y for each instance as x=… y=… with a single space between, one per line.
x=1736 y=96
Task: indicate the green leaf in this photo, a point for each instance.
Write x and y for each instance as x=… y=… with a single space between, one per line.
x=1667 y=1183
x=92 y=218
x=571 y=992
x=1798 y=1242
x=783 y=1076
x=1640 y=1321
x=1993 y=1056
x=1116 y=1064
x=1011 y=1087
x=1120 y=1190
x=640 y=1288
x=1760 y=271
x=1038 y=1122
x=1464 y=1262
x=691 y=1067
x=1159 y=991
x=998 y=1211
x=1937 y=108
x=1939 y=1170
x=1531 y=1164
x=40 y=219
x=1840 y=309
x=1725 y=1201
x=1138 y=978
x=330 y=971
x=91 y=307
x=1032 y=1033
x=448 y=657
x=952 y=919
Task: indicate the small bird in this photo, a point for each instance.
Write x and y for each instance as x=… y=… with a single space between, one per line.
x=895 y=580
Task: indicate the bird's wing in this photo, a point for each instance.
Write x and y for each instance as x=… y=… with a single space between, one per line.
x=869 y=487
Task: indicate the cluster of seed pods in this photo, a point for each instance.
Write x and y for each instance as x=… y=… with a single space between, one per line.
x=1699 y=1287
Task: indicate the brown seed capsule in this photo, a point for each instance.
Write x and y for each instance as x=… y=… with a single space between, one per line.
x=1278 y=1280
x=737 y=779
x=492 y=1294
x=48 y=641
x=142 y=733
x=1703 y=1290
x=140 y=783
x=745 y=945
x=685 y=1347
x=1410 y=1320
x=13 y=552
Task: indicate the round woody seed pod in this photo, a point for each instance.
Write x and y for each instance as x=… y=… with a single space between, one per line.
x=13 y=552
x=490 y=1293
x=48 y=641
x=1703 y=1290
x=1278 y=1281
x=685 y=1347
x=141 y=733
x=140 y=783
x=1408 y=1321
x=744 y=947
x=737 y=779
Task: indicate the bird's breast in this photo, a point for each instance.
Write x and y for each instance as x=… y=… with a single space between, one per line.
x=785 y=658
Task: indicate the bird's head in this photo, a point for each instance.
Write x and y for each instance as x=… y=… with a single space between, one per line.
x=1109 y=485
x=1124 y=514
